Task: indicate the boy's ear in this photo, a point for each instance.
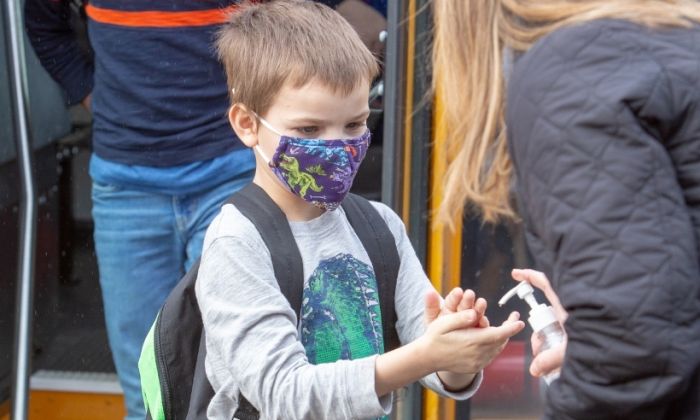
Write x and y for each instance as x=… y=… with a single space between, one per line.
x=244 y=124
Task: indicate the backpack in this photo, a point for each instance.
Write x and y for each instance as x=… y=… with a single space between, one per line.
x=171 y=366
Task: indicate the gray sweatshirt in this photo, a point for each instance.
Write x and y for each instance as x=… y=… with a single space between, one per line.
x=302 y=370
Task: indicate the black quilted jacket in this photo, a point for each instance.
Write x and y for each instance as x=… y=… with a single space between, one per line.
x=604 y=129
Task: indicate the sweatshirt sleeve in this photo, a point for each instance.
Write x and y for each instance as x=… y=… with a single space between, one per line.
x=55 y=43
x=411 y=287
x=252 y=328
x=608 y=224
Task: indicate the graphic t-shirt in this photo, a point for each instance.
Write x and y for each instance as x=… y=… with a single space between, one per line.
x=318 y=363
x=340 y=316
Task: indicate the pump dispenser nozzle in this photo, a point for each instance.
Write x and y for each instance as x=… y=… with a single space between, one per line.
x=542 y=319
x=524 y=291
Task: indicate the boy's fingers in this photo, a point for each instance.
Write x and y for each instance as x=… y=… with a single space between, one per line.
x=480 y=306
x=453 y=299
x=467 y=300
x=432 y=306
x=498 y=335
x=456 y=321
x=508 y=329
x=484 y=322
x=514 y=316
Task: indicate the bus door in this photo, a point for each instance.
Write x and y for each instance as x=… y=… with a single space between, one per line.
x=475 y=255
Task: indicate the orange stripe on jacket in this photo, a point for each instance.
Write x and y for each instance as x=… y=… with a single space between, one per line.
x=158 y=19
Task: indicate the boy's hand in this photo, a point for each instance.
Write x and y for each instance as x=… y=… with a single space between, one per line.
x=452 y=345
x=459 y=300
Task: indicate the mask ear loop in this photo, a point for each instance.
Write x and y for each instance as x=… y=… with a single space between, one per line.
x=268 y=126
x=257 y=146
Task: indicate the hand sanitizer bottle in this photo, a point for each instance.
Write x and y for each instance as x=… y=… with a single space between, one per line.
x=542 y=320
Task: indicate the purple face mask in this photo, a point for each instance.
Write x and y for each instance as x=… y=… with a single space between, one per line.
x=319 y=171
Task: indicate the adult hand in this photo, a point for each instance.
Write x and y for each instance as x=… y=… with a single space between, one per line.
x=87 y=102
x=368 y=23
x=550 y=360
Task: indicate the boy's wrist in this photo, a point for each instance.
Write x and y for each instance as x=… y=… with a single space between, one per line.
x=455 y=382
x=425 y=357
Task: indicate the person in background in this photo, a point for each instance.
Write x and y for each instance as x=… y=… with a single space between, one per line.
x=164 y=158
x=596 y=123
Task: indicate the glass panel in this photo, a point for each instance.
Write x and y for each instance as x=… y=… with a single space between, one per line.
x=489 y=252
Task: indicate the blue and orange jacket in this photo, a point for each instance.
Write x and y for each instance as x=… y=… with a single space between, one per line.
x=159 y=95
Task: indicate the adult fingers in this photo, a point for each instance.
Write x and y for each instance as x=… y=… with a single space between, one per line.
x=534 y=277
x=548 y=360
x=539 y=280
x=536 y=343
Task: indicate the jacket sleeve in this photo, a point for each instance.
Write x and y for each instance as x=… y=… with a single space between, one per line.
x=609 y=226
x=55 y=43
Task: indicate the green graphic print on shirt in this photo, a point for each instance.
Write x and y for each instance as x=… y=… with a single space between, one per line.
x=341 y=317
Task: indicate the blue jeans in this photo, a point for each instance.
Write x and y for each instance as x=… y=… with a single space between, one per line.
x=144 y=244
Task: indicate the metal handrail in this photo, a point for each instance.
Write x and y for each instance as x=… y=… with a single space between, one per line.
x=28 y=210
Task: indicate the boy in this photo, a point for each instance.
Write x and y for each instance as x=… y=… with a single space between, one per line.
x=299 y=98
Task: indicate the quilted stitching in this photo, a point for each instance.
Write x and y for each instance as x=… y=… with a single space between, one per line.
x=604 y=129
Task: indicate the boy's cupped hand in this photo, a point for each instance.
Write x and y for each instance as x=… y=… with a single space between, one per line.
x=453 y=342
x=457 y=300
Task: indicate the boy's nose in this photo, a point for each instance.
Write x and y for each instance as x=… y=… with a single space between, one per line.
x=333 y=134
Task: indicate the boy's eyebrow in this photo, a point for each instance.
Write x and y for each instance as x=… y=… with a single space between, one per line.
x=362 y=116
x=315 y=121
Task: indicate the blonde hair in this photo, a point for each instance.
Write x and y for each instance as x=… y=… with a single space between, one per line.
x=265 y=45
x=469 y=41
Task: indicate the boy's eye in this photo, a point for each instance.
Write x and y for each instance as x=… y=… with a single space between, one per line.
x=356 y=125
x=307 y=131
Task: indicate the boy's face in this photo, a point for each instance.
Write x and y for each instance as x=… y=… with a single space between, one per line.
x=313 y=111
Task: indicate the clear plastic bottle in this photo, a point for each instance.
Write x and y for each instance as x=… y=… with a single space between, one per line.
x=542 y=320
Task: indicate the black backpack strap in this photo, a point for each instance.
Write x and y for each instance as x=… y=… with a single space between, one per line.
x=380 y=245
x=254 y=203
x=201 y=391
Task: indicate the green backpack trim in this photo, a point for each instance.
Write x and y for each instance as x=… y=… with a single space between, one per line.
x=150 y=380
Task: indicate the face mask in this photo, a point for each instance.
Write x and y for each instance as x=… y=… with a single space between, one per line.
x=319 y=171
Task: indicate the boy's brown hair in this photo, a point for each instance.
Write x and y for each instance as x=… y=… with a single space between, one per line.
x=263 y=46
